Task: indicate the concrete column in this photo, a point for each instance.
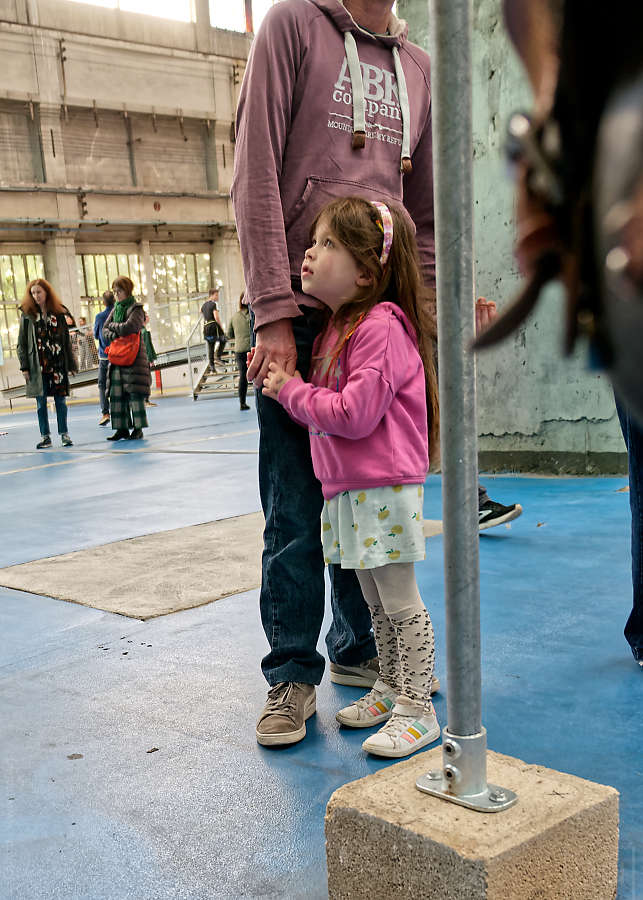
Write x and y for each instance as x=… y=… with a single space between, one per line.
x=61 y=271
x=202 y=26
x=226 y=257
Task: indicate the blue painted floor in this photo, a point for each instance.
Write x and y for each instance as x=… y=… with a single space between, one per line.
x=129 y=764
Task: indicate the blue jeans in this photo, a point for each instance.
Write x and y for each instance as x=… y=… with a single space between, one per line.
x=292 y=583
x=633 y=436
x=43 y=417
x=102 y=386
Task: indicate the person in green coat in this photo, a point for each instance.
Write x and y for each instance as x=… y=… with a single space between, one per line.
x=239 y=330
x=45 y=356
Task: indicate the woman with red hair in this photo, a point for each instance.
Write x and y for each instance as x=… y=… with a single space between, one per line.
x=45 y=356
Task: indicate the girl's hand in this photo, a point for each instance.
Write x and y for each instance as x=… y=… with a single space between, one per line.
x=485 y=314
x=275 y=380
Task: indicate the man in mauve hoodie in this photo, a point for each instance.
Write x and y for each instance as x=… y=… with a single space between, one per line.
x=335 y=101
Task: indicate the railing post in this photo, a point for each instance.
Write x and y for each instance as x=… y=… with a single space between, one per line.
x=463 y=777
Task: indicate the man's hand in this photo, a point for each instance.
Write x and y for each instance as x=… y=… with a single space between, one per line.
x=485 y=314
x=275 y=380
x=275 y=343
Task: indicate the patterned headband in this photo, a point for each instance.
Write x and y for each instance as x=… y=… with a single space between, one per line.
x=386 y=227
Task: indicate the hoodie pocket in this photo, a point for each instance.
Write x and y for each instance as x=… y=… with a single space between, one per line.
x=317 y=193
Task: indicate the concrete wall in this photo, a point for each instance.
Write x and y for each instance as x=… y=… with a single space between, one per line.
x=535 y=408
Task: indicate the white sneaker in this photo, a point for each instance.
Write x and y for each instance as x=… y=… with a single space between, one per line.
x=403 y=734
x=369 y=710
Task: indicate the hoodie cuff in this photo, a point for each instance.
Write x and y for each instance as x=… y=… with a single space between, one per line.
x=271 y=309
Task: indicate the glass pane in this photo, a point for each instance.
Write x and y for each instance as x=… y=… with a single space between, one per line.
x=19 y=277
x=6 y=278
x=81 y=276
x=203 y=270
x=90 y=276
x=122 y=262
x=102 y=278
x=113 y=270
x=191 y=266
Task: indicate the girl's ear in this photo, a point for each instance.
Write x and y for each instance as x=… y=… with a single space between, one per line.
x=364 y=279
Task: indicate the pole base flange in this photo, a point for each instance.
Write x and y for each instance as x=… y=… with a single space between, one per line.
x=493 y=799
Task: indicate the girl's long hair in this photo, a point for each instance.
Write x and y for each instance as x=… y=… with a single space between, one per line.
x=53 y=303
x=358 y=226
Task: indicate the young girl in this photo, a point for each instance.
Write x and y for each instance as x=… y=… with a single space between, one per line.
x=366 y=410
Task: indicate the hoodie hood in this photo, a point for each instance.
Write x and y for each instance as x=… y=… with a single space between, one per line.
x=394 y=38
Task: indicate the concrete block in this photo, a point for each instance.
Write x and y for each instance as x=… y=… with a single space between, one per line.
x=386 y=839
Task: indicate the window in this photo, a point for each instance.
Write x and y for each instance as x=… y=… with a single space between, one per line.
x=15 y=273
x=97 y=271
x=179 y=279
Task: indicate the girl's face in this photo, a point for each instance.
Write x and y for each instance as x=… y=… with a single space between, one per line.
x=39 y=294
x=119 y=293
x=329 y=272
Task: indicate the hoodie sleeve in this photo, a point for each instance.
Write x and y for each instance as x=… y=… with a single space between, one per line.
x=263 y=123
x=418 y=200
x=377 y=363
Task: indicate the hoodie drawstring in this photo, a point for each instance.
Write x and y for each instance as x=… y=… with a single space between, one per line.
x=359 y=103
x=357 y=86
x=405 y=161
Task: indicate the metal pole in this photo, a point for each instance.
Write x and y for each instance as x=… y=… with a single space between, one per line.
x=463 y=778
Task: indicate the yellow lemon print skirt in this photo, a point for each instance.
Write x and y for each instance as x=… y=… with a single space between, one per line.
x=374 y=527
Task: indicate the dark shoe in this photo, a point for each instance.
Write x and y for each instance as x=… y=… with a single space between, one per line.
x=244 y=406
x=365 y=675
x=45 y=442
x=66 y=440
x=136 y=435
x=491 y=513
x=104 y=419
x=120 y=435
x=283 y=720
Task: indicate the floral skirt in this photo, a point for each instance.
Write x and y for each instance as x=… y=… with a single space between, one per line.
x=370 y=528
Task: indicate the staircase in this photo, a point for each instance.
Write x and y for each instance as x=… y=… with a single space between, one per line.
x=223 y=382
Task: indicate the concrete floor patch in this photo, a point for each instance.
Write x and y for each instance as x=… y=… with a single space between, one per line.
x=153 y=575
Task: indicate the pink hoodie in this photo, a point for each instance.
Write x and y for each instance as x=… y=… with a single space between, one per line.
x=313 y=78
x=367 y=420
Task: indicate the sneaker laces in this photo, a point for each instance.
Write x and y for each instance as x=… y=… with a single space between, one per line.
x=368 y=699
x=282 y=700
x=397 y=725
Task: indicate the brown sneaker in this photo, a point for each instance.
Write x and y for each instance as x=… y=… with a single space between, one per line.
x=283 y=720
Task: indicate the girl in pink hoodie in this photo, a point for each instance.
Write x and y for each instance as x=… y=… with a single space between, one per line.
x=365 y=407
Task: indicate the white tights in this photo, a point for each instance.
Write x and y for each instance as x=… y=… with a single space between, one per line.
x=403 y=631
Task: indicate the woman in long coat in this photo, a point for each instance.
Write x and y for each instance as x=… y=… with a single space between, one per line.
x=45 y=356
x=128 y=386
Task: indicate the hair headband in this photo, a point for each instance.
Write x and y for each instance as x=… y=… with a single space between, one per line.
x=386 y=227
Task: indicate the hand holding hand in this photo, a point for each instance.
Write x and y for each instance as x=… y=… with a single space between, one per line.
x=275 y=380
x=275 y=343
x=485 y=314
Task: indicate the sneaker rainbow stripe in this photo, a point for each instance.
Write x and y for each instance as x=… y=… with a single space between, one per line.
x=414 y=732
x=381 y=706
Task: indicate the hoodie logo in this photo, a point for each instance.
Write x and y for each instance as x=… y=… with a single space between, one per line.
x=380 y=100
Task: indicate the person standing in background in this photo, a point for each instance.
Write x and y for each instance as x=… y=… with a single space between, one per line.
x=46 y=356
x=146 y=337
x=213 y=327
x=239 y=331
x=103 y=362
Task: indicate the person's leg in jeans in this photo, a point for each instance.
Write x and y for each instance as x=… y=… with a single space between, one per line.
x=43 y=416
x=210 y=344
x=242 y=366
x=292 y=583
x=102 y=384
x=633 y=436
x=61 y=413
x=350 y=640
